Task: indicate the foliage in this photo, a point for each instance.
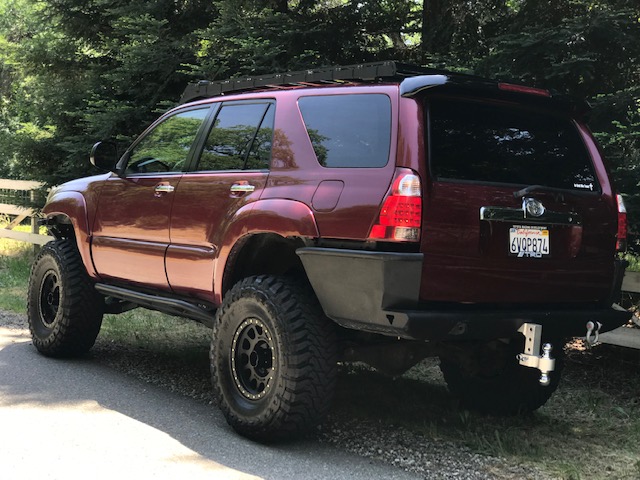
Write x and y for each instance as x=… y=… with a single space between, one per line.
x=74 y=72
x=591 y=50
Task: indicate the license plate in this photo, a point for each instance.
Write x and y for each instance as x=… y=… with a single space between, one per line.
x=532 y=242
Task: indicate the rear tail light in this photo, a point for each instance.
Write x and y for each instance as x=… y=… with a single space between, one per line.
x=400 y=216
x=621 y=244
x=510 y=87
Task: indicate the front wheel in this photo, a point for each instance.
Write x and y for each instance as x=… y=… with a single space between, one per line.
x=490 y=379
x=64 y=309
x=273 y=358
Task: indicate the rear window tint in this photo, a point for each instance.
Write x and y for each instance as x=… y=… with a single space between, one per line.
x=240 y=138
x=497 y=144
x=348 y=130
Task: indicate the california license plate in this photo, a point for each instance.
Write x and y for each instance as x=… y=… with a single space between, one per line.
x=525 y=241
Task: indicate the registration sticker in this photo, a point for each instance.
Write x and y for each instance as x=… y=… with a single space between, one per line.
x=526 y=241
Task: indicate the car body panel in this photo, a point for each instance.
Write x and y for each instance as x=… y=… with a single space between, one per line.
x=282 y=217
x=131 y=230
x=72 y=205
x=203 y=210
x=462 y=248
x=297 y=174
x=76 y=200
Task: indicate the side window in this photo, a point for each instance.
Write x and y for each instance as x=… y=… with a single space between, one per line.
x=167 y=146
x=348 y=130
x=240 y=138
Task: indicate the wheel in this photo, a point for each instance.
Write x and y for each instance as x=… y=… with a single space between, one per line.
x=63 y=308
x=273 y=358
x=490 y=380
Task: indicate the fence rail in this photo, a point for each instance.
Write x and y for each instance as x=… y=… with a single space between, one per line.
x=24 y=190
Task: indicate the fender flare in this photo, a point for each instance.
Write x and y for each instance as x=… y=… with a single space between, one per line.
x=73 y=206
x=287 y=218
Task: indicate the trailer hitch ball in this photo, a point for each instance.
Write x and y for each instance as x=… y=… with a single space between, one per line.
x=531 y=358
x=545 y=379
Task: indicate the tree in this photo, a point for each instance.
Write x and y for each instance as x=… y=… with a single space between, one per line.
x=590 y=50
x=74 y=72
x=88 y=70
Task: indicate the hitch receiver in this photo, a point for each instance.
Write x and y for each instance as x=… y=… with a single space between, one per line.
x=531 y=356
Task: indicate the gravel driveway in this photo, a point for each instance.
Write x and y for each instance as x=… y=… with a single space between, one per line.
x=379 y=442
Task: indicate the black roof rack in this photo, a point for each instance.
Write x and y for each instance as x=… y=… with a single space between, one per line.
x=366 y=72
x=413 y=80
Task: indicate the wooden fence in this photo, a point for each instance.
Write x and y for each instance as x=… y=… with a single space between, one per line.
x=13 y=190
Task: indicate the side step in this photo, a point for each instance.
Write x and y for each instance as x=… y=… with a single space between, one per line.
x=173 y=306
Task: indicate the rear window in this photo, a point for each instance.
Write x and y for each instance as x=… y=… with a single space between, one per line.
x=348 y=130
x=497 y=144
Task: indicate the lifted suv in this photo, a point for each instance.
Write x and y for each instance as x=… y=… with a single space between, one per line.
x=379 y=212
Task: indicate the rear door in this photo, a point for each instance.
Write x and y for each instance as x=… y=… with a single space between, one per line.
x=518 y=208
x=230 y=173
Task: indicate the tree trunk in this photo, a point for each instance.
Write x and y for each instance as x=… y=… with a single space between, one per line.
x=431 y=10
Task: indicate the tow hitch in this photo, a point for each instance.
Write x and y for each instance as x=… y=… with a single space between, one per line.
x=530 y=357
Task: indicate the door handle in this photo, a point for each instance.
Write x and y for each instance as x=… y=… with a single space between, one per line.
x=242 y=187
x=164 y=188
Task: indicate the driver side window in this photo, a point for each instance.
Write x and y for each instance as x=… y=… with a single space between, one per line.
x=166 y=147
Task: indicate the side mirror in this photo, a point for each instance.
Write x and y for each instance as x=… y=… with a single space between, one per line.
x=104 y=155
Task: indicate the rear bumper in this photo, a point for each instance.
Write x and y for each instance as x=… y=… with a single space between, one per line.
x=378 y=292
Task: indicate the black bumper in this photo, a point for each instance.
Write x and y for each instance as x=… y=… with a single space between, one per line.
x=378 y=292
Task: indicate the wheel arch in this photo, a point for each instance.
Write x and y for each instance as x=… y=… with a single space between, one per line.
x=66 y=216
x=264 y=241
x=262 y=253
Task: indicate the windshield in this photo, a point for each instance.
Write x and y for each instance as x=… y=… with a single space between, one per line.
x=499 y=144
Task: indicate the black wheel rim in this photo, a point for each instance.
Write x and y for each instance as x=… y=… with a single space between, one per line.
x=253 y=359
x=49 y=298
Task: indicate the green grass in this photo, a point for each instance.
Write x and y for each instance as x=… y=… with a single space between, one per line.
x=15 y=262
x=590 y=429
x=154 y=331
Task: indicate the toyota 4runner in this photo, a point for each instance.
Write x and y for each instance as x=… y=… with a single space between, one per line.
x=379 y=213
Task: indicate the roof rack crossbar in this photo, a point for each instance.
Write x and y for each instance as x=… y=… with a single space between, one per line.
x=366 y=72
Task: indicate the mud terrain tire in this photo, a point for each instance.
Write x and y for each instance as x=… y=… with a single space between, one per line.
x=273 y=358
x=498 y=384
x=63 y=308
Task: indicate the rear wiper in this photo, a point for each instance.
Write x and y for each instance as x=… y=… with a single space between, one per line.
x=542 y=188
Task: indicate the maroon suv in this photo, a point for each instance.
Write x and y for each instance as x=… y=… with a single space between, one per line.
x=379 y=212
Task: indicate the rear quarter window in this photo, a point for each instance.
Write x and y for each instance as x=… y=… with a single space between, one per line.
x=499 y=144
x=348 y=130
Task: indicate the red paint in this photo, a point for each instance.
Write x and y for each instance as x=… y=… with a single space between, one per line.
x=181 y=240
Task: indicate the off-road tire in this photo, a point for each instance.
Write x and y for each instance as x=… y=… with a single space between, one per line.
x=63 y=308
x=493 y=382
x=273 y=358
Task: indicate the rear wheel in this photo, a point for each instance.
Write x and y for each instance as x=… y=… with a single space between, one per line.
x=63 y=308
x=273 y=358
x=490 y=380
